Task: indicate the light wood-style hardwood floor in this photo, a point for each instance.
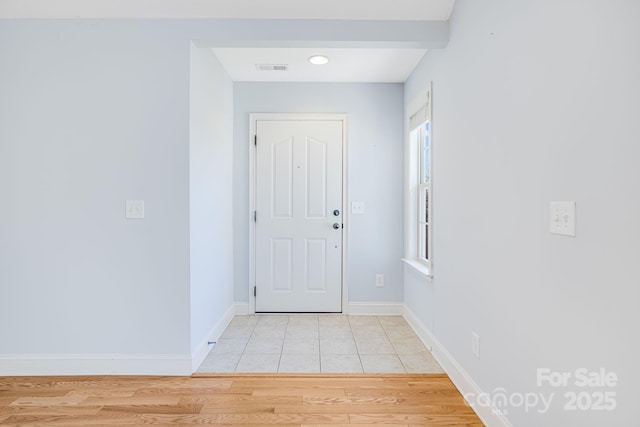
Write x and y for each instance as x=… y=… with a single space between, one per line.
x=234 y=399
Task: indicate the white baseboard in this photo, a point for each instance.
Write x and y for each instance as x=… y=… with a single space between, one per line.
x=489 y=415
x=94 y=364
x=241 y=308
x=357 y=308
x=375 y=308
x=202 y=350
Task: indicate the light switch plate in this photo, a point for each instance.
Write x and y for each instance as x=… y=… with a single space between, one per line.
x=357 y=207
x=135 y=209
x=563 y=218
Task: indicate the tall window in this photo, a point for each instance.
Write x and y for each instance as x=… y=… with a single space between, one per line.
x=419 y=200
x=424 y=189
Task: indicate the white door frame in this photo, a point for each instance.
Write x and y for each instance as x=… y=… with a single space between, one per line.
x=253 y=118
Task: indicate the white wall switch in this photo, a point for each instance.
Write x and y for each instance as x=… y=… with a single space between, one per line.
x=563 y=218
x=357 y=207
x=379 y=280
x=135 y=209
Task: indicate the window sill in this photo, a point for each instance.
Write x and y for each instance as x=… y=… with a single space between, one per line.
x=419 y=267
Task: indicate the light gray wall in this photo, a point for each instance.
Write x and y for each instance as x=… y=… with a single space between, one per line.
x=210 y=198
x=92 y=114
x=375 y=175
x=533 y=102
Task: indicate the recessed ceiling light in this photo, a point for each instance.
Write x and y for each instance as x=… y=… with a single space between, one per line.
x=318 y=59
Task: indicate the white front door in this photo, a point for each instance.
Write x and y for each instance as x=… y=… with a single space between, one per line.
x=299 y=216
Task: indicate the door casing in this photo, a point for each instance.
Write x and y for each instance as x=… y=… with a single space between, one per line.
x=253 y=118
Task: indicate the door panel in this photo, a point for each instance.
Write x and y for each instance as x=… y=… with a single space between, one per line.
x=298 y=186
x=282 y=183
x=316 y=265
x=281 y=264
x=316 y=194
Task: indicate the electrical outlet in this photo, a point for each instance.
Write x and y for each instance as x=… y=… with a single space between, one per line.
x=379 y=280
x=357 y=207
x=134 y=209
x=475 y=345
x=563 y=218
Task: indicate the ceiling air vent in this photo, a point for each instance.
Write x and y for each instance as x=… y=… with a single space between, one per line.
x=271 y=67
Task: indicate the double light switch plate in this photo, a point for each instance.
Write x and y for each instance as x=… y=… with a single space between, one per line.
x=563 y=218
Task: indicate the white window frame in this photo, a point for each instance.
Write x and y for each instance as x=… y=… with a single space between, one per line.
x=418 y=114
x=424 y=188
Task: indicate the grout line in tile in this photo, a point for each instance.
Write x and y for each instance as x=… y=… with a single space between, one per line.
x=317 y=328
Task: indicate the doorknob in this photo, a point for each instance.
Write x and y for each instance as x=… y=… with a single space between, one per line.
x=336 y=225
x=336 y=212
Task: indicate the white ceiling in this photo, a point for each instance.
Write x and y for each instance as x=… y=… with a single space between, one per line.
x=413 y=10
x=345 y=65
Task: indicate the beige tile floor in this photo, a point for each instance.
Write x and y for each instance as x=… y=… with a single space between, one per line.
x=319 y=343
